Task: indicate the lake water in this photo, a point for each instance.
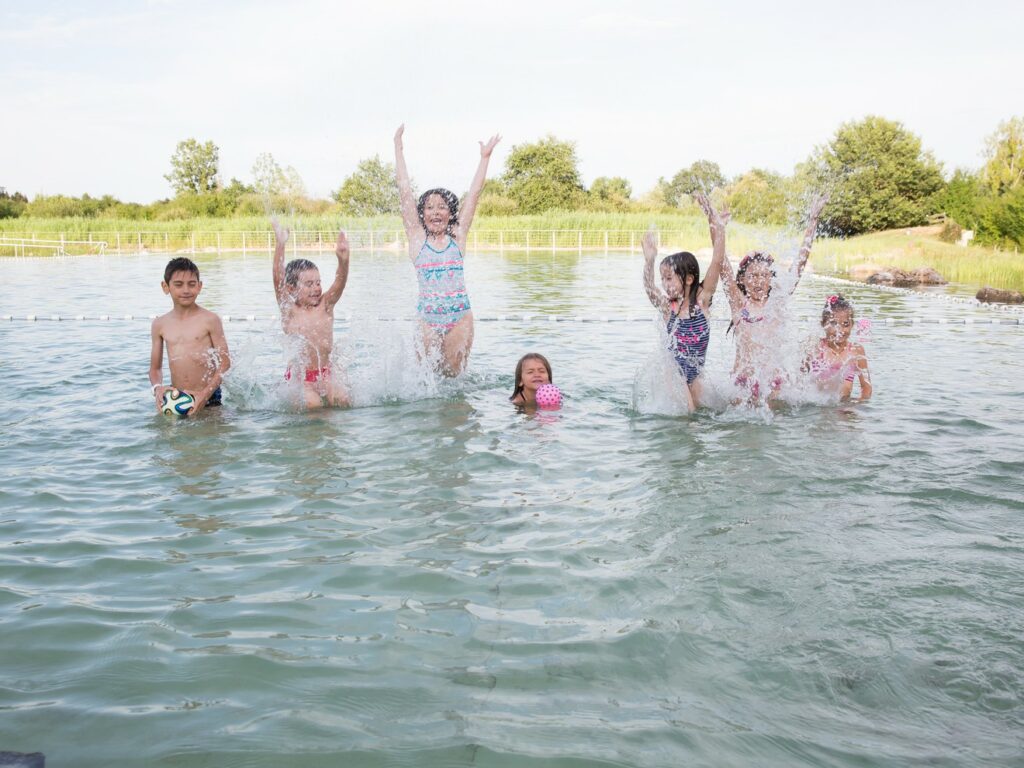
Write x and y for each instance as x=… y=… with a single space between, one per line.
x=436 y=579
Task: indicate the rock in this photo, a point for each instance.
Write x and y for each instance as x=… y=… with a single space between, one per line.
x=903 y=279
x=863 y=271
x=995 y=295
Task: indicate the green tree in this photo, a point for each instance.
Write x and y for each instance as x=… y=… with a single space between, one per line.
x=371 y=190
x=702 y=175
x=610 y=193
x=759 y=196
x=961 y=197
x=877 y=175
x=271 y=179
x=11 y=205
x=543 y=176
x=194 y=167
x=1004 y=157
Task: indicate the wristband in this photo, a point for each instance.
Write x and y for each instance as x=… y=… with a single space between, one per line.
x=152 y=389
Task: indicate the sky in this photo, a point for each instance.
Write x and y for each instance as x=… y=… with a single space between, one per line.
x=95 y=96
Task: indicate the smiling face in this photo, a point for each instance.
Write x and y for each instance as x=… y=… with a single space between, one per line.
x=307 y=291
x=183 y=288
x=436 y=215
x=838 y=325
x=757 y=280
x=671 y=283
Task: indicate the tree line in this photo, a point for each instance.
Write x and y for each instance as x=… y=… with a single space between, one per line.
x=877 y=172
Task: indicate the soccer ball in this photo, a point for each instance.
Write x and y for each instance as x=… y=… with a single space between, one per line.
x=178 y=403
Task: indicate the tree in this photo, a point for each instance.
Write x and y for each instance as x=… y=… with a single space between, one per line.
x=544 y=176
x=1004 y=157
x=878 y=177
x=271 y=179
x=610 y=193
x=758 y=196
x=961 y=197
x=194 y=167
x=702 y=175
x=11 y=205
x=371 y=190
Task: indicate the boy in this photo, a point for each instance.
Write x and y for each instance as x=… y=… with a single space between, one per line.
x=197 y=352
x=307 y=314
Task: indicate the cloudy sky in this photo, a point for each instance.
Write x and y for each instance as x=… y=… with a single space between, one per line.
x=94 y=96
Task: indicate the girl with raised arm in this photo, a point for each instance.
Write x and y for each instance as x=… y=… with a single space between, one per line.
x=437 y=234
x=756 y=313
x=685 y=300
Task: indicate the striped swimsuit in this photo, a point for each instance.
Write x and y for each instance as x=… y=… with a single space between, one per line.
x=688 y=340
x=443 y=299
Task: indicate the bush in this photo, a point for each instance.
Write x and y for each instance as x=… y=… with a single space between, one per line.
x=951 y=232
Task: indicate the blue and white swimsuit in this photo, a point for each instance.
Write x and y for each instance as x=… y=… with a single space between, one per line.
x=443 y=300
x=688 y=340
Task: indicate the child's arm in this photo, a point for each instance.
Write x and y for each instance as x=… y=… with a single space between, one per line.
x=219 y=345
x=475 y=188
x=156 y=364
x=333 y=294
x=281 y=235
x=410 y=218
x=656 y=297
x=863 y=374
x=817 y=204
x=716 y=222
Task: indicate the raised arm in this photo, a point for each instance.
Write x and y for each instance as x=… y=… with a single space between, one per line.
x=410 y=218
x=333 y=294
x=475 y=188
x=817 y=204
x=716 y=221
x=281 y=235
x=657 y=298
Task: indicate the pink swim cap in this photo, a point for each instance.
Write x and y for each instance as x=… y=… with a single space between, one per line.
x=549 y=396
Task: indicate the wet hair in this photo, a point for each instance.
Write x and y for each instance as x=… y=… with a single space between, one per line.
x=835 y=303
x=449 y=199
x=517 y=385
x=296 y=267
x=180 y=264
x=753 y=257
x=684 y=264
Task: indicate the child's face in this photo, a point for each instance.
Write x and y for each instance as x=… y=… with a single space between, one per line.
x=758 y=280
x=838 y=326
x=183 y=288
x=534 y=374
x=436 y=215
x=307 y=291
x=671 y=283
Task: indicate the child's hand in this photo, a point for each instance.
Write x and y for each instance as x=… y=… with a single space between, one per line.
x=717 y=219
x=341 y=249
x=817 y=205
x=486 y=149
x=398 y=136
x=158 y=393
x=650 y=249
x=199 y=404
x=281 y=233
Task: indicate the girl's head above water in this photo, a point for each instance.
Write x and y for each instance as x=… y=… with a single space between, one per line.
x=837 y=319
x=438 y=210
x=755 y=273
x=680 y=276
x=532 y=370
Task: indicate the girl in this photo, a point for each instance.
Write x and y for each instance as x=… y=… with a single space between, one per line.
x=757 y=313
x=835 y=361
x=685 y=300
x=437 y=236
x=532 y=371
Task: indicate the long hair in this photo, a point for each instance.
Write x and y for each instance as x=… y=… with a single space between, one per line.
x=835 y=303
x=518 y=383
x=449 y=199
x=754 y=257
x=685 y=264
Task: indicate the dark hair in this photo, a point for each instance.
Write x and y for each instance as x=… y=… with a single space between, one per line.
x=296 y=267
x=180 y=264
x=835 y=303
x=752 y=258
x=449 y=199
x=518 y=384
x=684 y=264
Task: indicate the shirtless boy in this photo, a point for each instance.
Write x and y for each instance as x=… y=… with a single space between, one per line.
x=197 y=351
x=307 y=314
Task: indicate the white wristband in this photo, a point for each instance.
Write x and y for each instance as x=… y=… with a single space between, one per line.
x=153 y=388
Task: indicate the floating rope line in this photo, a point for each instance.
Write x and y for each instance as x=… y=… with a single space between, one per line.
x=525 y=318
